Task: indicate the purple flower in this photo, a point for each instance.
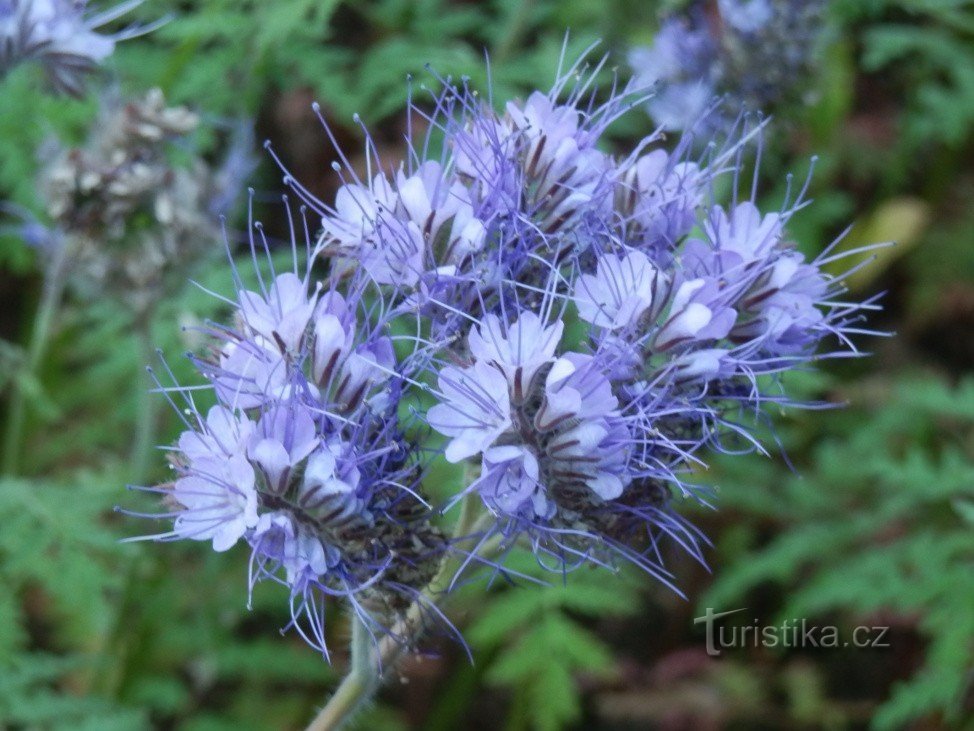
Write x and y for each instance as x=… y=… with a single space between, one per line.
x=224 y=434
x=399 y=232
x=334 y=338
x=620 y=291
x=703 y=365
x=370 y=364
x=680 y=47
x=510 y=483
x=696 y=314
x=443 y=211
x=219 y=501
x=448 y=294
x=331 y=479
x=303 y=456
x=365 y=227
x=487 y=159
x=562 y=167
x=250 y=375
x=756 y=55
x=661 y=196
x=284 y=438
x=783 y=305
x=356 y=213
x=281 y=541
x=537 y=166
x=574 y=389
x=744 y=231
x=592 y=453
x=517 y=350
x=475 y=409
x=395 y=254
x=579 y=396
x=747 y=16
x=565 y=426
x=281 y=316
x=681 y=66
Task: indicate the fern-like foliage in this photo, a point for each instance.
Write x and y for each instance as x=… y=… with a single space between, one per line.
x=539 y=642
x=882 y=522
x=57 y=567
x=353 y=56
x=927 y=44
x=31 y=697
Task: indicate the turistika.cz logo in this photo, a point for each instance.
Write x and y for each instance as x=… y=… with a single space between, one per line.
x=792 y=633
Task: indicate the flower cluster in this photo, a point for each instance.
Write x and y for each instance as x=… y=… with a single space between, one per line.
x=512 y=196
x=580 y=326
x=302 y=456
x=524 y=229
x=61 y=36
x=758 y=54
x=581 y=448
x=131 y=220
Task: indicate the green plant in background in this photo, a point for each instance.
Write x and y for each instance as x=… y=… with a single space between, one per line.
x=877 y=522
x=126 y=222
x=927 y=44
x=538 y=645
x=355 y=56
x=56 y=564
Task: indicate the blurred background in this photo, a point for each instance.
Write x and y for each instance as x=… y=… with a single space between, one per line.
x=863 y=517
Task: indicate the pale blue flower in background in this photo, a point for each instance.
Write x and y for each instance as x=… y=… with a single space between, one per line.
x=62 y=36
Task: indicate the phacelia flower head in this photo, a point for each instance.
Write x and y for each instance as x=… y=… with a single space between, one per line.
x=757 y=54
x=582 y=327
x=683 y=303
x=620 y=292
x=509 y=195
x=62 y=36
x=584 y=445
x=303 y=458
x=557 y=450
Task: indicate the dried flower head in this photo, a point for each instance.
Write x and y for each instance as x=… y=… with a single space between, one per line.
x=132 y=219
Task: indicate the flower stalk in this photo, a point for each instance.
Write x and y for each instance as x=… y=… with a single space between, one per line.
x=370 y=659
x=359 y=685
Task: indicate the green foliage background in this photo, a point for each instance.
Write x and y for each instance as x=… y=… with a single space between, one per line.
x=874 y=525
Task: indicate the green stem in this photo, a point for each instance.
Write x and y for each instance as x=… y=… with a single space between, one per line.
x=145 y=425
x=358 y=686
x=512 y=34
x=364 y=678
x=54 y=280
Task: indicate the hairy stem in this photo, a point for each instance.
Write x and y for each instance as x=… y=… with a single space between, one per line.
x=357 y=688
x=54 y=280
x=370 y=660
